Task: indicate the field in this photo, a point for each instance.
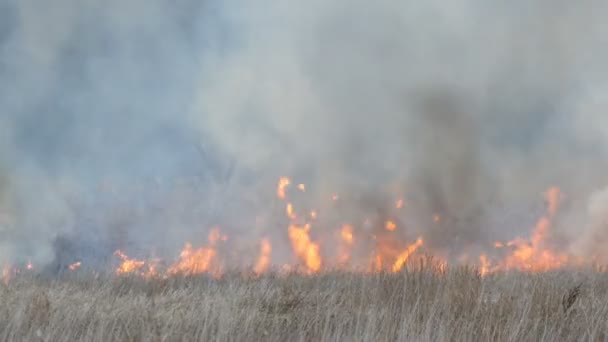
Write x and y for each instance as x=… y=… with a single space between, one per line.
x=425 y=304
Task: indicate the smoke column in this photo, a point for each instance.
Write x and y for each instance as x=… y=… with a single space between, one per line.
x=144 y=122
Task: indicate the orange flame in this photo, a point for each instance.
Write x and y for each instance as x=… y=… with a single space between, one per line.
x=390 y=226
x=128 y=265
x=346 y=238
x=264 y=260
x=304 y=248
x=284 y=182
x=302 y=187
x=534 y=255
x=195 y=261
x=402 y=258
x=289 y=211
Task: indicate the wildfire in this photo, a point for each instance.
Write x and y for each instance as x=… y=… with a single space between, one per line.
x=284 y=182
x=390 y=253
x=306 y=250
x=264 y=260
x=289 y=211
x=128 y=265
x=346 y=241
x=534 y=255
x=195 y=261
x=402 y=258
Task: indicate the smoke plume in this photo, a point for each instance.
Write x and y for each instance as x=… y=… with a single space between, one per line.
x=143 y=123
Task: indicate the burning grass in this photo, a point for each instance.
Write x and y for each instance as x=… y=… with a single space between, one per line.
x=420 y=303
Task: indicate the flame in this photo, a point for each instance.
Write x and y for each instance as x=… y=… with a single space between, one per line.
x=284 y=182
x=128 y=265
x=346 y=241
x=289 y=211
x=347 y=234
x=74 y=266
x=195 y=261
x=306 y=250
x=534 y=255
x=402 y=258
x=192 y=261
x=264 y=260
x=484 y=265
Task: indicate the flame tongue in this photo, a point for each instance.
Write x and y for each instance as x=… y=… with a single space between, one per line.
x=195 y=261
x=304 y=248
x=402 y=258
x=264 y=260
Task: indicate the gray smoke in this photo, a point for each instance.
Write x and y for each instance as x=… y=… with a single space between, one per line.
x=149 y=121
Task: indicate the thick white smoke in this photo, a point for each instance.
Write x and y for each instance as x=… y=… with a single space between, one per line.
x=472 y=108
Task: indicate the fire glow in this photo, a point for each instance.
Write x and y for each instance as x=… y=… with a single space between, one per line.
x=388 y=248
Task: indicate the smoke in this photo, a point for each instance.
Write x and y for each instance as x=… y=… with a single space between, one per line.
x=146 y=122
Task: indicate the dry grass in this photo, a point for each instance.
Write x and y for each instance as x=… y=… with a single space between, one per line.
x=422 y=305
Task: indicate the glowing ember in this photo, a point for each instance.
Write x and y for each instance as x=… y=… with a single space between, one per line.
x=313 y=215
x=302 y=187
x=399 y=204
x=390 y=225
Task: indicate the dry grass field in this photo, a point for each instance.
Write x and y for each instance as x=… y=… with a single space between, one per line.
x=415 y=305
